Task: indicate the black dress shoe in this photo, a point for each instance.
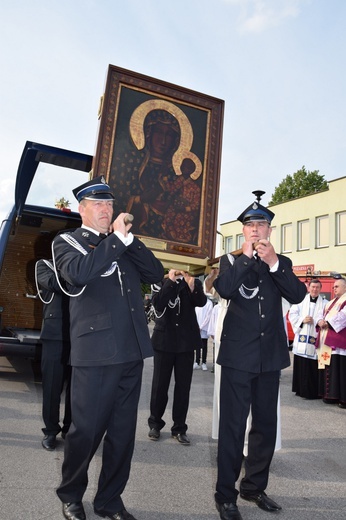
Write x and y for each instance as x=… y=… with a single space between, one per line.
x=182 y=438
x=263 y=501
x=73 y=511
x=154 y=434
x=120 y=515
x=330 y=401
x=49 y=442
x=228 y=511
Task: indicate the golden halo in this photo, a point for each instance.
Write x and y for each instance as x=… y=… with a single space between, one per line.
x=186 y=133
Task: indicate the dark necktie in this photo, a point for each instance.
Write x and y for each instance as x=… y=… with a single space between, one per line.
x=102 y=235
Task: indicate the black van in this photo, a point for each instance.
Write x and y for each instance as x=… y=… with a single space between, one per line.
x=26 y=236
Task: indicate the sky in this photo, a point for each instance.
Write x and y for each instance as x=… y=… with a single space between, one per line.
x=279 y=65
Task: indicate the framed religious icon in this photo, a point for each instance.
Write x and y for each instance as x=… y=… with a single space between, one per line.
x=159 y=148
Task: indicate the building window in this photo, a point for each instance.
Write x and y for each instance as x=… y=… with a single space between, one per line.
x=286 y=238
x=341 y=228
x=240 y=240
x=272 y=237
x=322 y=231
x=303 y=235
x=229 y=244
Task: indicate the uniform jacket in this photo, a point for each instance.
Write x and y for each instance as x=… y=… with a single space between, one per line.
x=253 y=338
x=55 y=323
x=108 y=323
x=176 y=327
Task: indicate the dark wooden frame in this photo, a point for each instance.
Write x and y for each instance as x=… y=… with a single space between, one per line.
x=125 y=91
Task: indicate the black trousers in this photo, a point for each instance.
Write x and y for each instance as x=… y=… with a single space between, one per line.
x=55 y=372
x=238 y=391
x=204 y=351
x=104 y=403
x=164 y=364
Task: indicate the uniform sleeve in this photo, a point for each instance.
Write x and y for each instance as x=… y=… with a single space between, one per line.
x=150 y=268
x=80 y=267
x=46 y=276
x=197 y=296
x=289 y=285
x=162 y=293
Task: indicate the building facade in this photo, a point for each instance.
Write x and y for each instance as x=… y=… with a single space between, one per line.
x=310 y=230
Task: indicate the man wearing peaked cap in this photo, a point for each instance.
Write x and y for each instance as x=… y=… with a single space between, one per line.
x=95 y=189
x=109 y=341
x=253 y=351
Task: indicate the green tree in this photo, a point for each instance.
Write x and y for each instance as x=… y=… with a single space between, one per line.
x=299 y=184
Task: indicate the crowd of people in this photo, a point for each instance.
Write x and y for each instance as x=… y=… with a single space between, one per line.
x=97 y=271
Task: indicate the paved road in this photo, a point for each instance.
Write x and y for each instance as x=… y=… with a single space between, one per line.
x=169 y=481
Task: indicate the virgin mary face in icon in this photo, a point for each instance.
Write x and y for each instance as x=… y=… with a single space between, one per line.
x=162 y=135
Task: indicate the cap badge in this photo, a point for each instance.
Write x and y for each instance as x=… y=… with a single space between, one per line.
x=255 y=205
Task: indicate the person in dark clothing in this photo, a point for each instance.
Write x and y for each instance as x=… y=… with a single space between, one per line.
x=175 y=336
x=252 y=353
x=103 y=265
x=55 y=367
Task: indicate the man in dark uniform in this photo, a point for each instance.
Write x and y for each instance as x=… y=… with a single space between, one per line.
x=175 y=336
x=55 y=367
x=253 y=351
x=109 y=340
